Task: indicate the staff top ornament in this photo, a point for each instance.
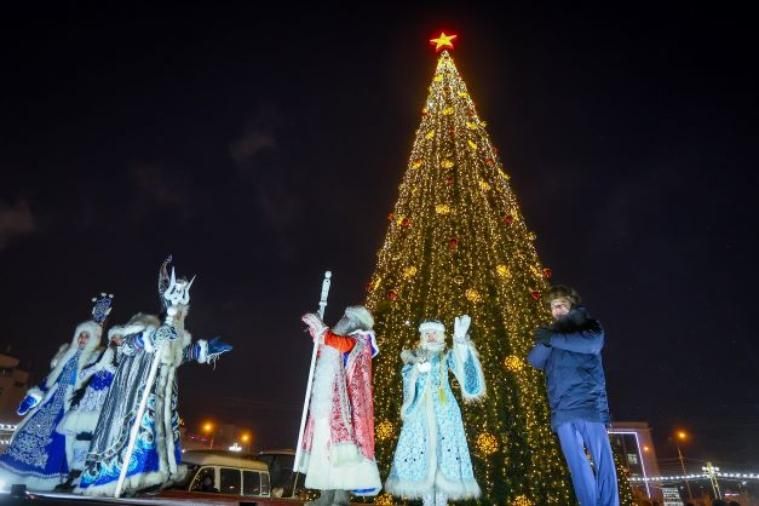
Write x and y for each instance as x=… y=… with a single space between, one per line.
x=102 y=308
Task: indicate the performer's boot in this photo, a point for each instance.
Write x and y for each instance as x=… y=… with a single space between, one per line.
x=441 y=499
x=341 y=498
x=428 y=499
x=325 y=499
x=70 y=482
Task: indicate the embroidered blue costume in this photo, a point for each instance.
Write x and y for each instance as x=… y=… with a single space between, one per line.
x=432 y=459
x=147 y=440
x=38 y=454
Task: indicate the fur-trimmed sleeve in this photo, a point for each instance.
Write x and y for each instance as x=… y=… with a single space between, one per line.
x=464 y=361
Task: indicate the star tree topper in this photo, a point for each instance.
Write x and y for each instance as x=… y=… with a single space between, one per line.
x=443 y=42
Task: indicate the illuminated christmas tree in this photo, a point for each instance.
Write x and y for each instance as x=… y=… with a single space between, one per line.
x=458 y=243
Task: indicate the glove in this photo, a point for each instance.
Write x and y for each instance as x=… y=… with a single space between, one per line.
x=461 y=327
x=316 y=326
x=33 y=397
x=424 y=367
x=543 y=336
x=216 y=348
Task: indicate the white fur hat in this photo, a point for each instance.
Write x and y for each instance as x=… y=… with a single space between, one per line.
x=361 y=316
x=94 y=330
x=432 y=325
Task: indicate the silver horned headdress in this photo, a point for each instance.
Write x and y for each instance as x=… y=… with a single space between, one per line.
x=172 y=291
x=178 y=291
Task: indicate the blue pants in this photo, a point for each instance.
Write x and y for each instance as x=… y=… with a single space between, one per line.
x=591 y=490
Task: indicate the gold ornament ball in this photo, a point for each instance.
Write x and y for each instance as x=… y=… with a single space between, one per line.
x=446 y=164
x=384 y=500
x=442 y=209
x=409 y=272
x=503 y=271
x=513 y=363
x=521 y=500
x=487 y=444
x=473 y=295
x=384 y=430
x=484 y=186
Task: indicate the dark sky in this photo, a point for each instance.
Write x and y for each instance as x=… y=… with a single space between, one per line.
x=263 y=147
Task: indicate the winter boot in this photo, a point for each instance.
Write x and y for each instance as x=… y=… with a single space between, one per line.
x=70 y=483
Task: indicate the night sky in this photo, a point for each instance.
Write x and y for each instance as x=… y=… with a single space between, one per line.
x=262 y=147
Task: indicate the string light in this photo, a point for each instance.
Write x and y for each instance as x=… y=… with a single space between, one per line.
x=473 y=254
x=696 y=476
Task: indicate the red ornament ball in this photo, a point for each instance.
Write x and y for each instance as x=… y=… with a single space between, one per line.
x=406 y=223
x=453 y=244
x=508 y=219
x=390 y=216
x=392 y=295
x=535 y=294
x=547 y=273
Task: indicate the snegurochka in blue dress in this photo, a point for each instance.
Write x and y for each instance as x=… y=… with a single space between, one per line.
x=432 y=460
x=38 y=454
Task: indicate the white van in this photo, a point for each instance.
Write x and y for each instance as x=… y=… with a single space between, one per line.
x=223 y=472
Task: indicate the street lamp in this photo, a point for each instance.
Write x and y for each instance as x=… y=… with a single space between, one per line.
x=246 y=438
x=208 y=429
x=681 y=437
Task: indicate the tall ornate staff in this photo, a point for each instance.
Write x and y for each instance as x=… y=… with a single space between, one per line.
x=322 y=305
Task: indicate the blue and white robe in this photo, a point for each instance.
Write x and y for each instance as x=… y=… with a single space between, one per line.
x=156 y=459
x=38 y=454
x=432 y=451
x=80 y=421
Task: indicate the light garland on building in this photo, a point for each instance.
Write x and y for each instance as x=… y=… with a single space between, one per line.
x=696 y=476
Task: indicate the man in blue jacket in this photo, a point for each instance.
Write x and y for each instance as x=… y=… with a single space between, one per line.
x=569 y=352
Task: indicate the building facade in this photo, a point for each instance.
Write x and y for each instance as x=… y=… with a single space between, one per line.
x=633 y=443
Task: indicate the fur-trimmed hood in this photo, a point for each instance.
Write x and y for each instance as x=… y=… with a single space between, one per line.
x=577 y=320
x=87 y=356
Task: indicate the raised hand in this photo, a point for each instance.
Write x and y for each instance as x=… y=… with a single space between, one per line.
x=461 y=327
x=29 y=402
x=217 y=347
x=314 y=324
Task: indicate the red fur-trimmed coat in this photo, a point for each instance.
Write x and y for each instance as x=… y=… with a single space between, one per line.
x=343 y=391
